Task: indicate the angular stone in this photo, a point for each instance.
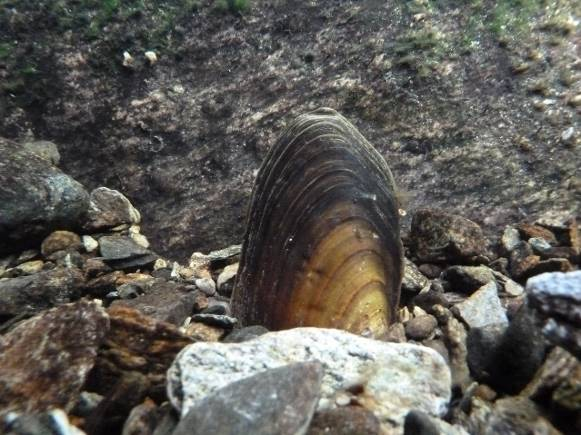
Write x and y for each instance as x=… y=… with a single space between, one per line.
x=44 y=360
x=120 y=248
x=136 y=343
x=413 y=280
x=35 y=198
x=539 y=245
x=567 y=252
x=440 y=237
x=528 y=231
x=467 y=279
x=511 y=415
x=482 y=308
x=30 y=267
x=557 y=297
x=455 y=340
x=394 y=378
x=349 y=420
x=29 y=294
x=558 y=368
x=134 y=263
x=510 y=239
x=60 y=241
x=421 y=327
x=110 y=208
x=246 y=406
x=142 y=419
x=163 y=300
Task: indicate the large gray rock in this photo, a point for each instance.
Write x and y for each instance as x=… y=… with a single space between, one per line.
x=272 y=402
x=394 y=378
x=35 y=198
x=557 y=297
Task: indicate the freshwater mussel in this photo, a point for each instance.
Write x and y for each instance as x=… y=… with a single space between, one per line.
x=322 y=245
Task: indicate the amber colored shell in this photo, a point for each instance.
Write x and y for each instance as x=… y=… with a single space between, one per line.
x=322 y=245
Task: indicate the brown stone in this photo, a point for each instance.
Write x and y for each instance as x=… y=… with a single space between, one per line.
x=421 y=327
x=439 y=237
x=140 y=343
x=142 y=419
x=60 y=241
x=349 y=420
x=528 y=231
x=44 y=360
x=567 y=252
x=202 y=332
x=551 y=265
x=522 y=269
x=163 y=300
x=102 y=285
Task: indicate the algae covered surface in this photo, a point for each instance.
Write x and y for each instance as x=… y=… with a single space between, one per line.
x=474 y=104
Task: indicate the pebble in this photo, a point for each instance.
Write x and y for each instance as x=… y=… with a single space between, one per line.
x=539 y=245
x=413 y=280
x=30 y=267
x=218 y=320
x=482 y=308
x=467 y=279
x=420 y=328
x=90 y=244
x=226 y=278
x=206 y=285
x=510 y=239
x=60 y=241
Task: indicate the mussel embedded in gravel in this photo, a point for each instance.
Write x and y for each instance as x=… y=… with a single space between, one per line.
x=322 y=245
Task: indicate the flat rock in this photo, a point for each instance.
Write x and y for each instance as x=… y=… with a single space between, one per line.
x=277 y=401
x=218 y=320
x=29 y=294
x=440 y=237
x=136 y=343
x=467 y=279
x=120 y=248
x=110 y=208
x=413 y=280
x=35 y=198
x=44 y=360
x=557 y=297
x=163 y=300
x=394 y=378
x=482 y=308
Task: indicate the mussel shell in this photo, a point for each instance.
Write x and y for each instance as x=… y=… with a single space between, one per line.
x=322 y=245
